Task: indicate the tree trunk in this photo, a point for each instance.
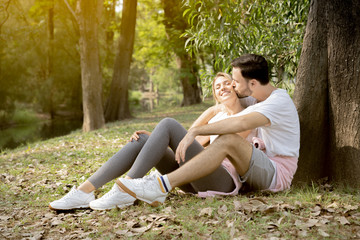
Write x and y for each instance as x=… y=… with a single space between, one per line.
x=327 y=93
x=117 y=105
x=175 y=25
x=188 y=79
x=50 y=59
x=5 y=6
x=90 y=66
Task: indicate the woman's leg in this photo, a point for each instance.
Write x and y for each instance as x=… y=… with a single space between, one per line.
x=169 y=133
x=118 y=164
x=168 y=164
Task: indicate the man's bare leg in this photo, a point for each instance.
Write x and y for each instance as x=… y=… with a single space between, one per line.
x=230 y=146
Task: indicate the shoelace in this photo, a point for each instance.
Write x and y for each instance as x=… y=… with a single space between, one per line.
x=151 y=176
x=72 y=192
x=110 y=193
x=147 y=181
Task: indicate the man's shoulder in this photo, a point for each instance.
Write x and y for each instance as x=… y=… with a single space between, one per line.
x=248 y=101
x=279 y=96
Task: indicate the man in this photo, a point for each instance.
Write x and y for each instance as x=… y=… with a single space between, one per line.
x=271 y=166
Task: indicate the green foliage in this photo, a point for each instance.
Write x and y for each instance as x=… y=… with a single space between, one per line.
x=223 y=30
x=24 y=116
x=135 y=97
x=152 y=57
x=24 y=58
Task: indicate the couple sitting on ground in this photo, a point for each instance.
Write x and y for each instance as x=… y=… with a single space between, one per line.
x=254 y=138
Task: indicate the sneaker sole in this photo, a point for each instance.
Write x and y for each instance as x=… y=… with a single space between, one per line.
x=109 y=208
x=131 y=193
x=64 y=209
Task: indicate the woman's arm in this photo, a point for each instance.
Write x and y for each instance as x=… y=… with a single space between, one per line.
x=205 y=117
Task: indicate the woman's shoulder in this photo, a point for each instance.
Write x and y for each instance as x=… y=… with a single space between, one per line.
x=219 y=116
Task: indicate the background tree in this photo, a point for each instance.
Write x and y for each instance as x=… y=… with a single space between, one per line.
x=153 y=57
x=327 y=93
x=222 y=30
x=117 y=105
x=175 y=25
x=90 y=65
x=50 y=58
x=6 y=107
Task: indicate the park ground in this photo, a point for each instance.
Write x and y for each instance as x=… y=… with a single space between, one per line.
x=31 y=176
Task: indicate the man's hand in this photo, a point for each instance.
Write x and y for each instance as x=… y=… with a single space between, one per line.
x=183 y=146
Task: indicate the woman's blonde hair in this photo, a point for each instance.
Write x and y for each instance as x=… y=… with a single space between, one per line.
x=219 y=74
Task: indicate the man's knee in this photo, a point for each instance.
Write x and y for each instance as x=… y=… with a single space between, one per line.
x=228 y=141
x=232 y=143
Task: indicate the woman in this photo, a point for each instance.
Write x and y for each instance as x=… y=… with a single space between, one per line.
x=147 y=150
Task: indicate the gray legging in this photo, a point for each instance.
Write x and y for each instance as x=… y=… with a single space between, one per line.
x=153 y=151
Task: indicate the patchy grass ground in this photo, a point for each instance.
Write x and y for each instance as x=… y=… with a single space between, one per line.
x=34 y=175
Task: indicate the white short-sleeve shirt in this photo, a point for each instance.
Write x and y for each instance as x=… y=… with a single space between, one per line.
x=282 y=136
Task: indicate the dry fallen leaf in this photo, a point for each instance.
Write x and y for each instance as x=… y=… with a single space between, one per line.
x=303 y=233
x=121 y=232
x=323 y=233
x=229 y=224
x=206 y=211
x=56 y=222
x=237 y=205
x=311 y=222
x=142 y=229
x=213 y=222
x=222 y=210
x=343 y=221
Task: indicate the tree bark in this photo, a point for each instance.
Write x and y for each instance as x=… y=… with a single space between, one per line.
x=176 y=25
x=117 y=105
x=50 y=60
x=90 y=66
x=4 y=7
x=327 y=93
x=344 y=90
x=188 y=79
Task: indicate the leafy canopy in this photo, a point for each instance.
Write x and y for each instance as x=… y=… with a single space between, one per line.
x=225 y=29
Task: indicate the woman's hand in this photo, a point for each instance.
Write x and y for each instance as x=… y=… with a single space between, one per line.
x=136 y=134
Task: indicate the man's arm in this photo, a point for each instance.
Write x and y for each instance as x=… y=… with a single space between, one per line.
x=232 y=125
x=226 y=126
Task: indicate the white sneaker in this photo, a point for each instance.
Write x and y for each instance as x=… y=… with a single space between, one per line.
x=146 y=189
x=73 y=200
x=113 y=198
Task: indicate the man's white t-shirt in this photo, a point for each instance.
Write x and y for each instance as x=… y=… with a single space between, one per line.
x=282 y=136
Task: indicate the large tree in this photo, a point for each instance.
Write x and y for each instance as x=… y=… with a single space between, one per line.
x=117 y=105
x=327 y=93
x=175 y=25
x=90 y=65
x=50 y=59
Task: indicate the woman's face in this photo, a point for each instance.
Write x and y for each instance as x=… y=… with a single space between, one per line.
x=223 y=88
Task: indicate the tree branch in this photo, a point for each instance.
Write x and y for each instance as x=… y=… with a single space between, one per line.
x=7 y=13
x=71 y=10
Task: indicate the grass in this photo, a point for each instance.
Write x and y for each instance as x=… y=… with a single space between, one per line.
x=33 y=175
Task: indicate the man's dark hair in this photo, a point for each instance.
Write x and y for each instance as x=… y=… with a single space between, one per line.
x=252 y=66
